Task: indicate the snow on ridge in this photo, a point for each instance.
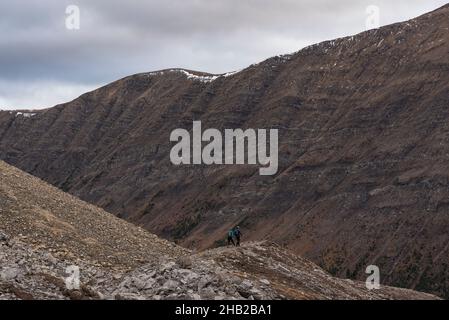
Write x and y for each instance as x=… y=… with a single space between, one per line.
x=282 y=58
x=228 y=74
x=24 y=114
x=208 y=78
x=285 y=57
x=191 y=76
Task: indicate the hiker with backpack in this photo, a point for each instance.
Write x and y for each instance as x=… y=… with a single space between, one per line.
x=231 y=237
x=237 y=235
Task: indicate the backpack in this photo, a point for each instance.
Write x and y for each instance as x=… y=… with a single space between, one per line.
x=230 y=233
x=236 y=232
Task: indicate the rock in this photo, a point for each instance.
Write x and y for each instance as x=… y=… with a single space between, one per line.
x=208 y=293
x=9 y=273
x=149 y=284
x=245 y=289
x=51 y=258
x=138 y=283
x=220 y=296
x=128 y=296
x=170 y=285
x=187 y=276
x=256 y=294
x=3 y=237
x=184 y=262
x=195 y=296
x=203 y=283
x=168 y=266
x=74 y=294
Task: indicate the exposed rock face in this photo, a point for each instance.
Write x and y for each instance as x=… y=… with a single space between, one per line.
x=116 y=260
x=364 y=152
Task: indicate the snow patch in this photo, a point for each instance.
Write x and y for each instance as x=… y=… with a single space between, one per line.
x=195 y=77
x=285 y=57
x=228 y=74
x=25 y=114
x=199 y=78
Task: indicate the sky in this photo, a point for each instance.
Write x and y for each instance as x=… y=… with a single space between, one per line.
x=52 y=51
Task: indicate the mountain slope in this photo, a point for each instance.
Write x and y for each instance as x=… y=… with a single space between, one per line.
x=43 y=231
x=363 y=152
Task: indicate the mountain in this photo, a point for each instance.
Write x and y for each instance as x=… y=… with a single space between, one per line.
x=363 y=152
x=44 y=231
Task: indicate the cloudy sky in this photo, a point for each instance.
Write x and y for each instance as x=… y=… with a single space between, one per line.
x=43 y=63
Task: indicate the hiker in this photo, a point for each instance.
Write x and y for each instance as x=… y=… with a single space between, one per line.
x=237 y=235
x=231 y=237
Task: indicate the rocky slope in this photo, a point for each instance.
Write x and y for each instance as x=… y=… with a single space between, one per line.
x=363 y=176
x=43 y=231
